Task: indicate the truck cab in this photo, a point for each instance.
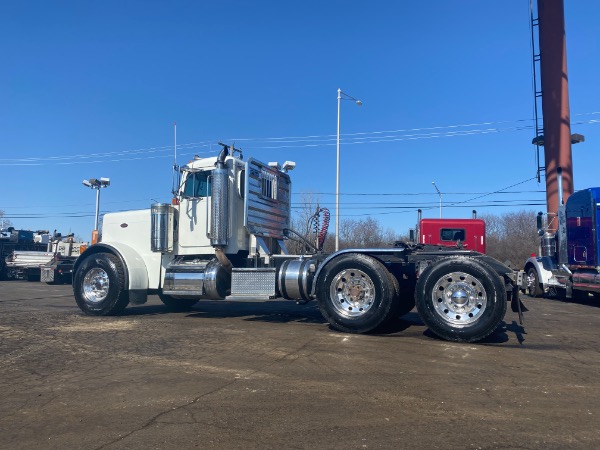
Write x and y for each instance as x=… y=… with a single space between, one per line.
x=465 y=233
x=569 y=259
x=226 y=212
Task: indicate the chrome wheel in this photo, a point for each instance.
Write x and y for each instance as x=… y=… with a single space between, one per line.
x=531 y=283
x=459 y=298
x=352 y=292
x=95 y=285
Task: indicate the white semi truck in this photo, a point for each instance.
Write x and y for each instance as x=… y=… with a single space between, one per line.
x=225 y=234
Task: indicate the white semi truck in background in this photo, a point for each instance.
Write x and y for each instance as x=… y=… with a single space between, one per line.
x=19 y=242
x=225 y=235
x=38 y=255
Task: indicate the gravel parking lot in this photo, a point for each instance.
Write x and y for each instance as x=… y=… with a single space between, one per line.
x=272 y=374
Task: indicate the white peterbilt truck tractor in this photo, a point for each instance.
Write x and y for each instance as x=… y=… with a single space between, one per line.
x=225 y=234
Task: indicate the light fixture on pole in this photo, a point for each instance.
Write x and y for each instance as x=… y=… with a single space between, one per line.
x=440 y=194
x=341 y=96
x=97 y=183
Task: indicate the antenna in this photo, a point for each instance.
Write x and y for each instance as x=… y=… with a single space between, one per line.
x=174 y=157
x=175 y=143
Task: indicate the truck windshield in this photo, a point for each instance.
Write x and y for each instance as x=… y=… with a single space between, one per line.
x=197 y=184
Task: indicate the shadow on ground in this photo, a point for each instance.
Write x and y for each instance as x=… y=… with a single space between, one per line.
x=263 y=311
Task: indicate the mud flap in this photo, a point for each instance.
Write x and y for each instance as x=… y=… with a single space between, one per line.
x=516 y=305
x=138 y=296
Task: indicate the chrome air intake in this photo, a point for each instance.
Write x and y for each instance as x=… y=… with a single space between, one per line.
x=161 y=231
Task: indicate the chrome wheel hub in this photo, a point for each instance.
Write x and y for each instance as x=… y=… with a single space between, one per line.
x=95 y=285
x=352 y=292
x=459 y=298
x=531 y=283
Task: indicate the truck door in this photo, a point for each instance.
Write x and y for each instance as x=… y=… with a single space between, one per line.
x=581 y=229
x=194 y=216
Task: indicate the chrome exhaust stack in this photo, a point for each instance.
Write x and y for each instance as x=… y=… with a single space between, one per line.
x=561 y=230
x=219 y=206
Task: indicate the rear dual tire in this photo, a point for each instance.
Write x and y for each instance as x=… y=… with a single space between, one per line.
x=357 y=294
x=461 y=299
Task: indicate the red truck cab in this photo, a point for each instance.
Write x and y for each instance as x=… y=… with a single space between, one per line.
x=469 y=233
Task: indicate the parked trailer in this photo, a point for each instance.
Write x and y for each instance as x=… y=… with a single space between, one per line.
x=37 y=257
x=26 y=264
x=12 y=240
x=59 y=269
x=225 y=234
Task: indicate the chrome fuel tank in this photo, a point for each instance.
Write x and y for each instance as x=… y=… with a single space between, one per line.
x=197 y=279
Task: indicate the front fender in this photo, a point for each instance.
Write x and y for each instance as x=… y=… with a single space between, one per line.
x=134 y=267
x=543 y=265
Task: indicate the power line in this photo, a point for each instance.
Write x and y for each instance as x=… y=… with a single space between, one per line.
x=371 y=137
x=462 y=204
x=396 y=210
x=416 y=193
x=403 y=205
x=414 y=210
x=346 y=194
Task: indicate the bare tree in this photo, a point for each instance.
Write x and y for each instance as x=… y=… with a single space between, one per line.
x=354 y=233
x=511 y=237
x=4 y=223
x=364 y=233
x=304 y=224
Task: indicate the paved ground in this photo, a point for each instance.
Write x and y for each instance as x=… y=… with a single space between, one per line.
x=273 y=375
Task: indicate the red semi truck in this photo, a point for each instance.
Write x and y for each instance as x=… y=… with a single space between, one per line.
x=464 y=233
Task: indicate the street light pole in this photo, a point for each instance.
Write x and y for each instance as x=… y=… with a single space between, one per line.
x=440 y=194
x=97 y=184
x=337 y=166
x=337 y=177
x=97 y=208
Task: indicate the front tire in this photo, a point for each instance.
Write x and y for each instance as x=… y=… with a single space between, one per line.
x=461 y=299
x=534 y=288
x=99 y=285
x=356 y=294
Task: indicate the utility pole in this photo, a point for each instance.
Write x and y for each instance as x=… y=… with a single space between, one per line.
x=555 y=102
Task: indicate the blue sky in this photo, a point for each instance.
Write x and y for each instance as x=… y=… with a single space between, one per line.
x=91 y=89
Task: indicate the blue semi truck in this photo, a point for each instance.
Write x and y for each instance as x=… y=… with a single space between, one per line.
x=569 y=261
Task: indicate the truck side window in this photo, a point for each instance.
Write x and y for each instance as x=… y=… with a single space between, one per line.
x=269 y=185
x=197 y=184
x=452 y=234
